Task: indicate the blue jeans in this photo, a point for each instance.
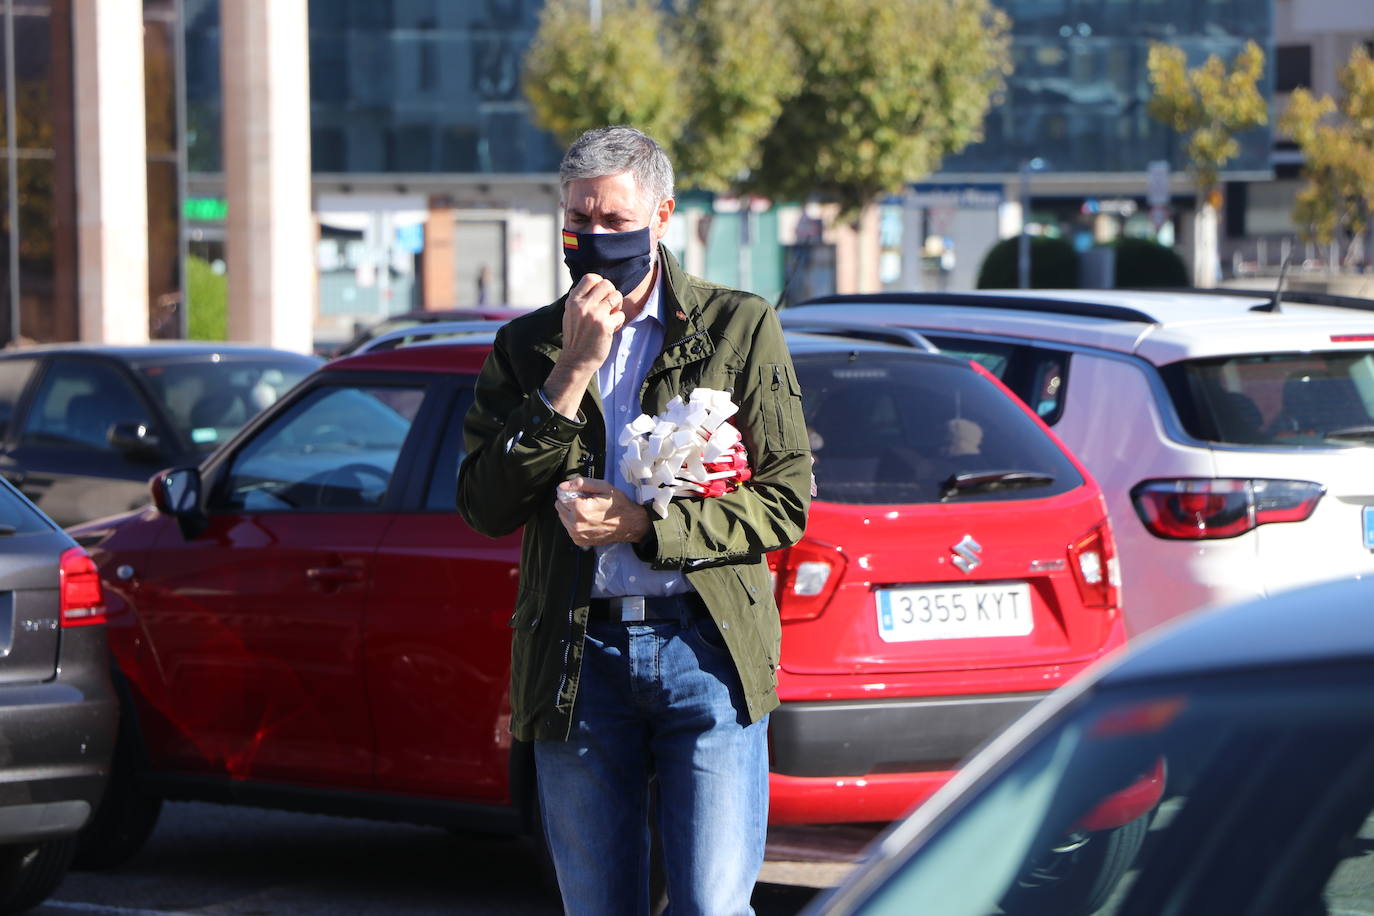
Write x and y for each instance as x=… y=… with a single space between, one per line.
x=659 y=699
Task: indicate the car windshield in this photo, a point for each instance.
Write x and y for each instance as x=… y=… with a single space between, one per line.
x=891 y=427
x=208 y=401
x=1247 y=793
x=1282 y=399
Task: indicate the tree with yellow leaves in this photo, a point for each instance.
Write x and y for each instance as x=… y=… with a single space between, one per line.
x=1337 y=141
x=1208 y=105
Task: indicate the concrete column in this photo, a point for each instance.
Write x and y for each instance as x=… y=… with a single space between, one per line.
x=847 y=270
x=270 y=227
x=869 y=251
x=111 y=171
x=440 y=285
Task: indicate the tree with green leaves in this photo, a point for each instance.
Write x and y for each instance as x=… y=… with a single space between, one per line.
x=1337 y=141
x=1208 y=105
x=706 y=79
x=739 y=69
x=581 y=73
x=888 y=89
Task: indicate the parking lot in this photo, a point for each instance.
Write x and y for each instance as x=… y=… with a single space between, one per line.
x=212 y=860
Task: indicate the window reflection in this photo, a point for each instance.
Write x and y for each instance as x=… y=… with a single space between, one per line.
x=416 y=87
x=1078 y=94
x=32 y=79
x=164 y=262
x=36 y=275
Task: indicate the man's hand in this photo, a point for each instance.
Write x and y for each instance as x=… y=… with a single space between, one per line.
x=591 y=316
x=596 y=513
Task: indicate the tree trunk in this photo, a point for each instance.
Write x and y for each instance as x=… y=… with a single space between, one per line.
x=1205 y=263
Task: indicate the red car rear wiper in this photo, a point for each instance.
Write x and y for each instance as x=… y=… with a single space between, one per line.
x=1350 y=432
x=970 y=482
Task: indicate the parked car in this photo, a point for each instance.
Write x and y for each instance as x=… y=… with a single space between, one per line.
x=58 y=711
x=1233 y=439
x=430 y=332
x=417 y=317
x=83 y=426
x=1237 y=747
x=305 y=620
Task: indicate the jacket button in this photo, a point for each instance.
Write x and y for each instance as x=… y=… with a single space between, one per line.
x=725 y=624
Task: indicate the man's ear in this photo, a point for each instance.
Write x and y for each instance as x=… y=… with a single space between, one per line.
x=659 y=224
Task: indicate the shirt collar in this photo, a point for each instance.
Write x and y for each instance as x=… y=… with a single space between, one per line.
x=653 y=306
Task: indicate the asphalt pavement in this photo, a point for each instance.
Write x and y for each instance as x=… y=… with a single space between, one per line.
x=213 y=860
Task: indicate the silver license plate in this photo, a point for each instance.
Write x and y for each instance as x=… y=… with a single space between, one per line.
x=954 y=611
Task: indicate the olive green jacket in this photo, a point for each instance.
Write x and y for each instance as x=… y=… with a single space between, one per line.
x=518 y=450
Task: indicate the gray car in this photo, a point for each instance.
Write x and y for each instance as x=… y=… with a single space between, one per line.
x=83 y=426
x=58 y=711
x=1223 y=765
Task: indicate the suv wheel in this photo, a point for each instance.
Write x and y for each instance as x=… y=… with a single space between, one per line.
x=30 y=872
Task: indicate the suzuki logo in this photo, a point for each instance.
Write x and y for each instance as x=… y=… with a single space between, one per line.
x=966 y=554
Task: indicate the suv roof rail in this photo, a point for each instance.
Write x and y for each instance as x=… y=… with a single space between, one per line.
x=426 y=333
x=838 y=327
x=990 y=301
x=1300 y=296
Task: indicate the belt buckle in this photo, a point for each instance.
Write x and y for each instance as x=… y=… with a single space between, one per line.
x=631 y=608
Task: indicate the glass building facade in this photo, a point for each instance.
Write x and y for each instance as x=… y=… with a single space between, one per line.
x=37 y=173
x=1079 y=92
x=396 y=87
x=433 y=86
x=38 y=151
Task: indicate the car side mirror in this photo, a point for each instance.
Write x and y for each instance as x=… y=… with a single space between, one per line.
x=176 y=492
x=133 y=439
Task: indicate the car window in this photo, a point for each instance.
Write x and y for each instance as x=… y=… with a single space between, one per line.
x=443 y=485
x=1038 y=375
x=1176 y=799
x=895 y=428
x=77 y=402
x=209 y=400
x=14 y=374
x=334 y=449
x=1285 y=399
x=17 y=516
x=993 y=357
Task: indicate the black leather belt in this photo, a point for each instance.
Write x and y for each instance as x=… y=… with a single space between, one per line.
x=643 y=608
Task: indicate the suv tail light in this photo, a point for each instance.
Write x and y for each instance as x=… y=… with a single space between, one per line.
x=82 y=601
x=805 y=577
x=1201 y=509
x=1093 y=558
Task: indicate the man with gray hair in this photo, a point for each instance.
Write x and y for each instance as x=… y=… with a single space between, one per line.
x=645 y=644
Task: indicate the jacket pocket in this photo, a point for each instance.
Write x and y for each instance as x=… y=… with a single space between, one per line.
x=784 y=425
x=529 y=600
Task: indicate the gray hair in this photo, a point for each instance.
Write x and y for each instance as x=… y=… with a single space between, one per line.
x=612 y=150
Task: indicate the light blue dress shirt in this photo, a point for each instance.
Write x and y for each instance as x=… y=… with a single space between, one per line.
x=619 y=570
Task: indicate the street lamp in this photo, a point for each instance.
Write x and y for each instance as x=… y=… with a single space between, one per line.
x=1023 y=259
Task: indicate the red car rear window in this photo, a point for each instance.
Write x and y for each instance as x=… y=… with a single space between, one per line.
x=896 y=428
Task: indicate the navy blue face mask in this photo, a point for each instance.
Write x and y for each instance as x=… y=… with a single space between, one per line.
x=624 y=258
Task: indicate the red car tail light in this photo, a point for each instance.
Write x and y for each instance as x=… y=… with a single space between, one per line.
x=81 y=599
x=1094 y=563
x=805 y=577
x=1212 y=508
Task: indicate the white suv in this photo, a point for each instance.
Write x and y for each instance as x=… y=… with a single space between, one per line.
x=1234 y=441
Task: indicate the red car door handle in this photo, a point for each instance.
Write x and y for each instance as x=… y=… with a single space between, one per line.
x=334 y=574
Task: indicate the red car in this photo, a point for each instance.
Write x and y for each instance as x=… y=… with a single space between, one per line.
x=305 y=621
